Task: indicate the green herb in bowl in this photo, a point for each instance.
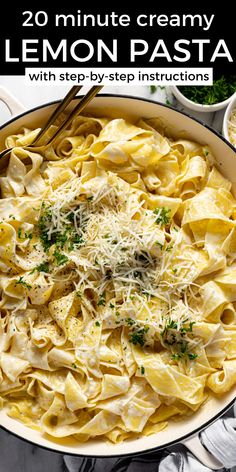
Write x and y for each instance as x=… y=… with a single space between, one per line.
x=220 y=91
x=207 y=98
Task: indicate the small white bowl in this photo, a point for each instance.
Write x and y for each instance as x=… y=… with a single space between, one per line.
x=227 y=114
x=198 y=106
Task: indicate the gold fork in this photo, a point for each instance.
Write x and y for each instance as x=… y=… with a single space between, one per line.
x=35 y=145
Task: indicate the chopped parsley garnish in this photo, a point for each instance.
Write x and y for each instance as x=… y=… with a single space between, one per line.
x=153 y=88
x=130 y=321
x=111 y=305
x=43 y=267
x=67 y=237
x=142 y=370
x=44 y=220
x=19 y=232
x=169 y=247
x=25 y=235
x=176 y=357
x=163 y=216
x=181 y=355
x=174 y=337
x=89 y=199
x=188 y=329
x=74 y=365
x=70 y=216
x=102 y=301
x=60 y=258
x=138 y=335
x=183 y=347
x=21 y=281
x=77 y=239
x=192 y=356
x=28 y=235
x=97 y=323
x=170 y=325
x=61 y=238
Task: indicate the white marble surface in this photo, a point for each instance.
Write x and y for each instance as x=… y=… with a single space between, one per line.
x=16 y=455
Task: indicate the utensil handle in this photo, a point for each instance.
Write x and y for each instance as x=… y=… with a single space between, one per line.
x=13 y=105
x=195 y=446
x=58 y=110
x=78 y=109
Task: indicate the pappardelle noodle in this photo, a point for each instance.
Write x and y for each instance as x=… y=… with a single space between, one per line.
x=118 y=280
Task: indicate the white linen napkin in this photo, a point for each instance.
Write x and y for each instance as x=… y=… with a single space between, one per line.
x=219 y=439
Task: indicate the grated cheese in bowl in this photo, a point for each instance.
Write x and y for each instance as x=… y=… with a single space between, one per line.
x=232 y=127
x=229 y=122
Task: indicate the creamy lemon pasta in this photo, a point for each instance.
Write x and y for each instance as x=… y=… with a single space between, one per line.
x=118 y=280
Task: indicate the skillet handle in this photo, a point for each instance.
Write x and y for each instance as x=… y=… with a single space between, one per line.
x=195 y=446
x=13 y=105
